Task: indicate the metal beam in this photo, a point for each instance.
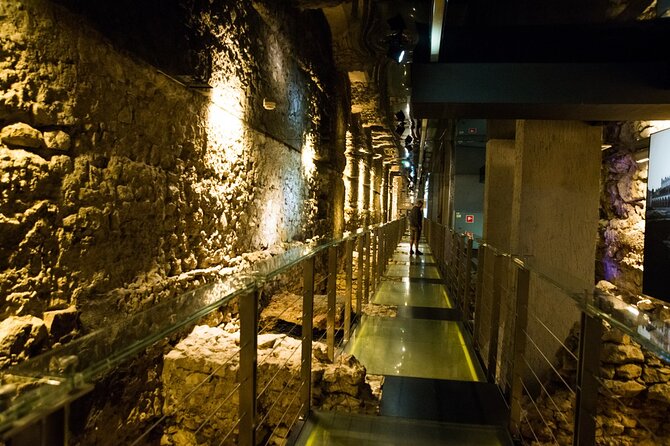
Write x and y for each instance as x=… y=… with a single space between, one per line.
x=582 y=91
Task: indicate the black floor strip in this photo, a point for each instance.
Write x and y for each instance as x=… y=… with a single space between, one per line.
x=443 y=400
x=440 y=314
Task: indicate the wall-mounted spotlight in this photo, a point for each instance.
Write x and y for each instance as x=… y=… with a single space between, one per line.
x=397 y=44
x=408 y=140
x=400 y=129
x=400 y=115
x=406 y=163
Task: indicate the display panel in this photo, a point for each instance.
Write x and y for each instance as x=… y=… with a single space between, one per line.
x=656 y=281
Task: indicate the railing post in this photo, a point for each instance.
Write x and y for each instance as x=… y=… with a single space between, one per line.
x=520 y=327
x=373 y=266
x=48 y=431
x=453 y=269
x=366 y=268
x=359 y=278
x=590 y=341
x=332 y=301
x=348 y=271
x=462 y=269
x=481 y=263
x=248 y=365
x=495 y=318
x=468 y=279
x=307 y=333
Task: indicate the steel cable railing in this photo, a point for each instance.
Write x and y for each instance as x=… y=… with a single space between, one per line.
x=67 y=373
x=539 y=331
x=183 y=400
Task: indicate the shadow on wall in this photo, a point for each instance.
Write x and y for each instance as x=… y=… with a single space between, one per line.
x=154 y=30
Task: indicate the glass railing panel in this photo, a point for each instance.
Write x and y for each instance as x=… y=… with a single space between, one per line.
x=25 y=399
x=648 y=328
x=49 y=380
x=90 y=356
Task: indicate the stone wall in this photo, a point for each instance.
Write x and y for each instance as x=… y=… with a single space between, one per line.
x=202 y=372
x=622 y=209
x=633 y=400
x=114 y=177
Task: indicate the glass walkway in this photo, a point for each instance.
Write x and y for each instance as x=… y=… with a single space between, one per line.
x=434 y=391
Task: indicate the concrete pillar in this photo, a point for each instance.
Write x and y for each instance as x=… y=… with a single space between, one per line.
x=542 y=200
x=556 y=195
x=498 y=193
x=447 y=194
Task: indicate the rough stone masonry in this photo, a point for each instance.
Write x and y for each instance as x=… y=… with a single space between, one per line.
x=121 y=187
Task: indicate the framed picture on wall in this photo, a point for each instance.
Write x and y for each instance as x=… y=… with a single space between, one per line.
x=657 y=228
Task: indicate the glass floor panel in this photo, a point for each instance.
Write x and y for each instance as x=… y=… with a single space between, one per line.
x=414 y=270
x=417 y=348
x=413 y=294
x=339 y=429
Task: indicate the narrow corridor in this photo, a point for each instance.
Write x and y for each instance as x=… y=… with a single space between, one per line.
x=434 y=391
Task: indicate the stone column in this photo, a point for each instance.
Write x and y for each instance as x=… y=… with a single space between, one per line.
x=366 y=210
x=440 y=193
x=377 y=189
x=351 y=186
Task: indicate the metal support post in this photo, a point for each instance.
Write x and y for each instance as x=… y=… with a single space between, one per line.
x=590 y=342
x=382 y=252
x=461 y=270
x=481 y=263
x=366 y=269
x=453 y=274
x=348 y=271
x=359 y=278
x=374 y=262
x=468 y=278
x=248 y=365
x=519 y=350
x=307 y=333
x=495 y=318
x=332 y=292
x=48 y=431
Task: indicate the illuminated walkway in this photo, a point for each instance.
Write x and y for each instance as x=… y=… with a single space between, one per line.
x=434 y=391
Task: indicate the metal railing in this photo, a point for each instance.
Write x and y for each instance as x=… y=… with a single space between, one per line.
x=234 y=403
x=540 y=335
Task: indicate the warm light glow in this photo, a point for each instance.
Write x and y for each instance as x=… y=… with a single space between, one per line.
x=270 y=223
x=225 y=129
x=372 y=194
x=361 y=186
x=308 y=154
